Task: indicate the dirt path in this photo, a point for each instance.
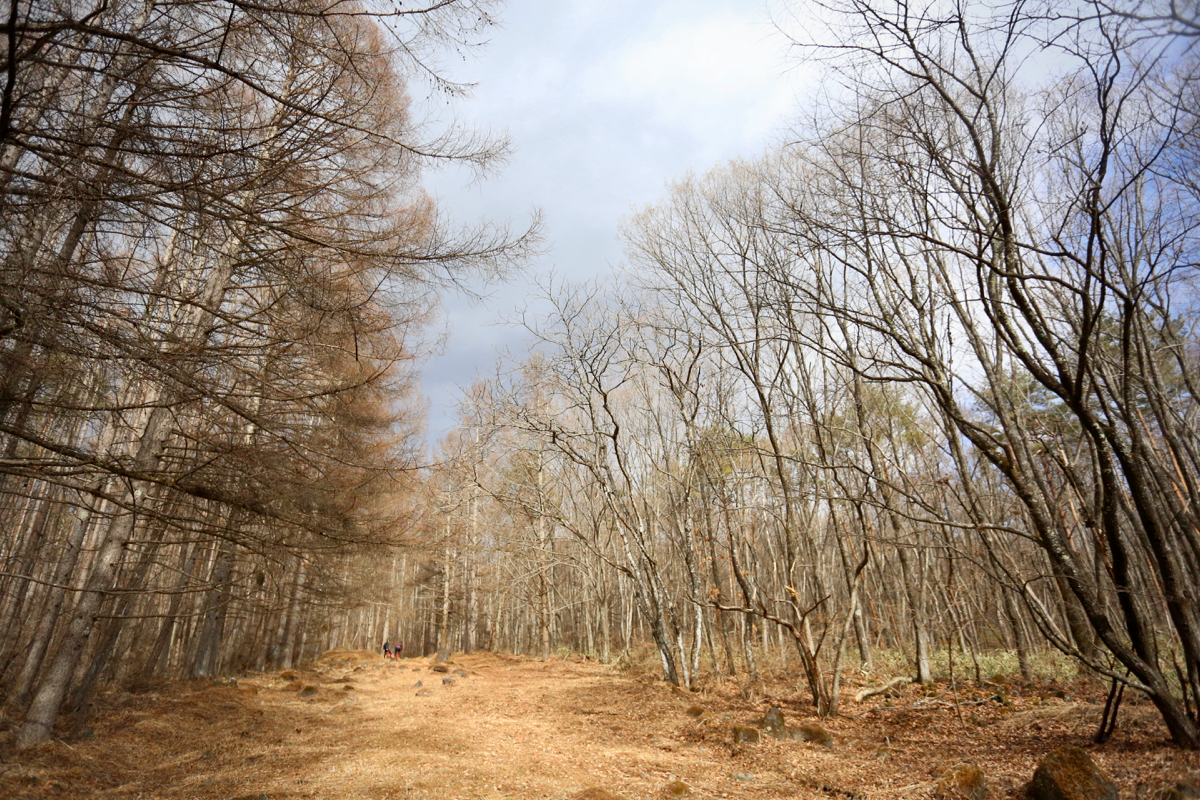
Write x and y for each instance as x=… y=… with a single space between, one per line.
x=360 y=727
x=508 y=728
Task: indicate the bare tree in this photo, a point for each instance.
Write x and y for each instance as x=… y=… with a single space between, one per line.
x=216 y=264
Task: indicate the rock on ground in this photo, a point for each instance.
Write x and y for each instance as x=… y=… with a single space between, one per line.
x=1070 y=774
x=773 y=723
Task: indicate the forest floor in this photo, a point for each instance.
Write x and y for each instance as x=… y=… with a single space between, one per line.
x=356 y=726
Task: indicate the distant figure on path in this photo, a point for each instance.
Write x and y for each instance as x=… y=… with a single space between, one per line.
x=399 y=648
x=387 y=649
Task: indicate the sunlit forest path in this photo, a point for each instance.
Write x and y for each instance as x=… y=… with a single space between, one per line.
x=504 y=727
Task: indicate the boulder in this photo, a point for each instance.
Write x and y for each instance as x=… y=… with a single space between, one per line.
x=741 y=733
x=1070 y=774
x=308 y=691
x=961 y=782
x=810 y=732
x=677 y=789
x=442 y=656
x=772 y=723
x=697 y=712
x=439 y=668
x=462 y=673
x=447 y=681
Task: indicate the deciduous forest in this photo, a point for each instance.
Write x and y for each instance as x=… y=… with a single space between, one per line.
x=917 y=385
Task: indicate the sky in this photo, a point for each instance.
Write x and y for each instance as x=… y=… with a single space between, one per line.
x=605 y=102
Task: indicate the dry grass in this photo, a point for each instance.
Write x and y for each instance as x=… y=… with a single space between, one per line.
x=519 y=728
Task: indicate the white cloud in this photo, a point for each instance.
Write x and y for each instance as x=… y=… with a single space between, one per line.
x=607 y=101
x=723 y=69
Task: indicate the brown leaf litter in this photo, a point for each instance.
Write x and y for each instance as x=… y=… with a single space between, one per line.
x=354 y=727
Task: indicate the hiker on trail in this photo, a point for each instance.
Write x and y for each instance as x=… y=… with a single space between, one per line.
x=399 y=648
x=387 y=649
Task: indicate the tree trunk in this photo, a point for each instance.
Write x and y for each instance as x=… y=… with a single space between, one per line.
x=43 y=711
x=212 y=628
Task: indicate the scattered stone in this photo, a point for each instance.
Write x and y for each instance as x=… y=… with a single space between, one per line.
x=288 y=675
x=772 y=723
x=1070 y=774
x=961 y=782
x=439 y=668
x=348 y=688
x=743 y=776
x=741 y=733
x=697 y=712
x=308 y=691
x=447 y=681
x=423 y=693
x=462 y=673
x=810 y=732
x=418 y=685
x=592 y=793
x=677 y=789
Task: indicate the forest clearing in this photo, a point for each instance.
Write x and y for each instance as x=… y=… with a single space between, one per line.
x=512 y=727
